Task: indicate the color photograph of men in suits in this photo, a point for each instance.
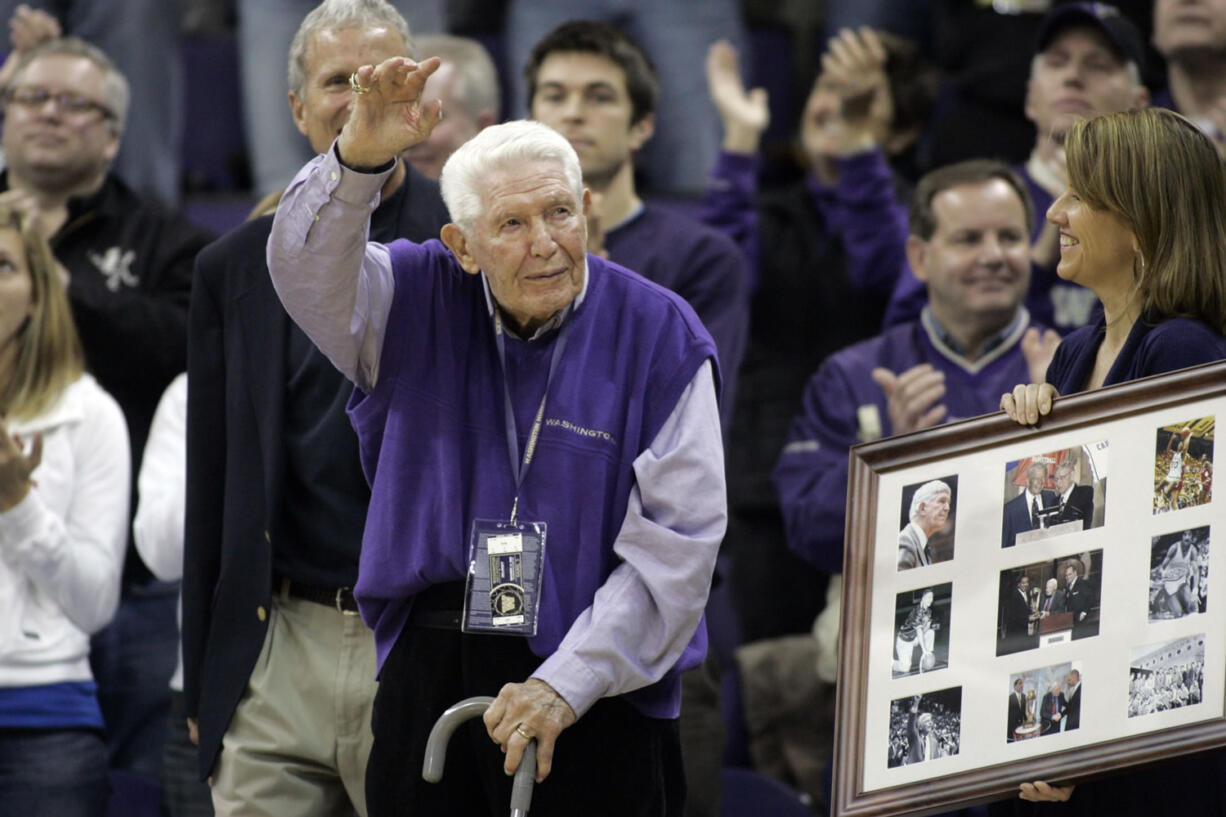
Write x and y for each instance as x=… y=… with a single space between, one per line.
x=1049 y=491
x=1179 y=574
x=1069 y=585
x=925 y=727
x=1038 y=704
x=927 y=534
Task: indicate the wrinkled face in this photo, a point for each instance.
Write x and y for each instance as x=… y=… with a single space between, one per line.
x=1097 y=250
x=1050 y=587
x=1182 y=27
x=530 y=240
x=1063 y=479
x=1055 y=688
x=1077 y=77
x=16 y=288
x=977 y=262
x=331 y=56
x=53 y=145
x=1036 y=478
x=924 y=723
x=457 y=126
x=584 y=97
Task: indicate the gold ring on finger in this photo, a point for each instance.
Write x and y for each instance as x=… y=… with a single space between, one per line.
x=523 y=733
x=356 y=86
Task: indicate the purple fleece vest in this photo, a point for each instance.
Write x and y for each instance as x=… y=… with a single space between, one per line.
x=433 y=438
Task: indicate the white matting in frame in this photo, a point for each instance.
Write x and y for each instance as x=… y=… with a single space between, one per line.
x=968 y=754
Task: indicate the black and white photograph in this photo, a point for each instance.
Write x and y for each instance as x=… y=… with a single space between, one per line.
x=1179 y=574
x=1049 y=602
x=925 y=727
x=921 y=627
x=926 y=523
x=1166 y=676
x=1183 y=465
x=1043 y=701
x=1054 y=493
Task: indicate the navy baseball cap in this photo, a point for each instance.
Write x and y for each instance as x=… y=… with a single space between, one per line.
x=1124 y=37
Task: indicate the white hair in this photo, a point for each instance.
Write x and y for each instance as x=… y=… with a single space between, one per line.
x=496 y=147
x=335 y=15
x=927 y=491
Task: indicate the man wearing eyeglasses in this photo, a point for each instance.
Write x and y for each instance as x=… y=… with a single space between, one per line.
x=128 y=264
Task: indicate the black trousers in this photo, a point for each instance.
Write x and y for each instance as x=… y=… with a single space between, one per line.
x=614 y=760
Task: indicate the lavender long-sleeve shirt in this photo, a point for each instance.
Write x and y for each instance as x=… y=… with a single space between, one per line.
x=339 y=288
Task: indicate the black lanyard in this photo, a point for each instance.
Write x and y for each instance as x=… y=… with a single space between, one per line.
x=520 y=470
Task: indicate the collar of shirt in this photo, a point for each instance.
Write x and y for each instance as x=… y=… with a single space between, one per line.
x=1064 y=496
x=1019 y=319
x=554 y=322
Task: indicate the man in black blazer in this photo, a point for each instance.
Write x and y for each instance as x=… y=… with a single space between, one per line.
x=1080 y=601
x=1022 y=513
x=1016 y=617
x=276 y=498
x=1072 y=714
x=1076 y=502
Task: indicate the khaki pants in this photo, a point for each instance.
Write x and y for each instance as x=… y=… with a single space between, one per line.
x=300 y=738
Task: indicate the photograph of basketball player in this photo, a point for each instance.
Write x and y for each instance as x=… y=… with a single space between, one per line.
x=1038 y=702
x=925 y=727
x=1033 y=612
x=1054 y=493
x=1183 y=465
x=926 y=534
x=1179 y=574
x=921 y=640
x=1170 y=675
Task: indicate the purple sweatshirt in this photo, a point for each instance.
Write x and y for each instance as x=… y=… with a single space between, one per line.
x=699 y=264
x=839 y=401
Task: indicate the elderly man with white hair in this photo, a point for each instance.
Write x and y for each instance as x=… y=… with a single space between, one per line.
x=929 y=510
x=509 y=385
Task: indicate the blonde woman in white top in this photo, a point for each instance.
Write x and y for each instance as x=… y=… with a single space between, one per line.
x=64 y=475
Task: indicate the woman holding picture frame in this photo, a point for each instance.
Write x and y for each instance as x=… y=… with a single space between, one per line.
x=1142 y=225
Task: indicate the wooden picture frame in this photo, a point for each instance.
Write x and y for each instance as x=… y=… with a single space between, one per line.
x=1139 y=643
